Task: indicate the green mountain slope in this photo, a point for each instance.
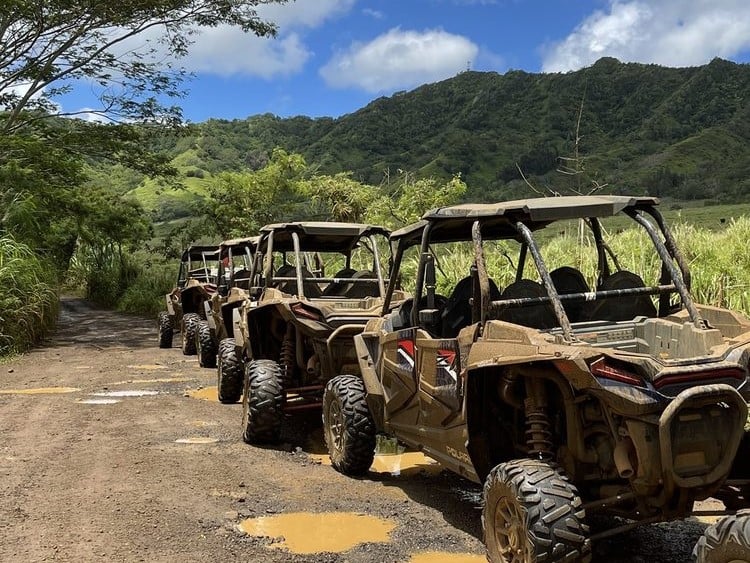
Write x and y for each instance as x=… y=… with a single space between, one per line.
x=643 y=128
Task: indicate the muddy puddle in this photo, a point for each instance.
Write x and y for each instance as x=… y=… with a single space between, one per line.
x=202 y=423
x=335 y=532
x=98 y=401
x=205 y=394
x=39 y=391
x=126 y=393
x=196 y=440
x=403 y=464
x=446 y=557
x=156 y=380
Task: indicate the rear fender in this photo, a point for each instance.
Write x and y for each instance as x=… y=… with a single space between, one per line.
x=368 y=353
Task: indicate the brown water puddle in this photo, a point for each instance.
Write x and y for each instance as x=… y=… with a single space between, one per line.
x=127 y=393
x=446 y=557
x=205 y=394
x=334 y=532
x=98 y=401
x=157 y=380
x=407 y=463
x=202 y=423
x=196 y=440
x=396 y=465
x=39 y=391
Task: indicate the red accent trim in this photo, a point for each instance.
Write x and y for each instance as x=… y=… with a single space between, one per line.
x=600 y=368
x=696 y=376
x=302 y=311
x=448 y=355
x=407 y=346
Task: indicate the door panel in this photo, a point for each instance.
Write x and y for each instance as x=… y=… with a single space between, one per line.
x=439 y=381
x=398 y=375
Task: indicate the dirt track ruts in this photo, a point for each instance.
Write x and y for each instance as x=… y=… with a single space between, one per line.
x=107 y=482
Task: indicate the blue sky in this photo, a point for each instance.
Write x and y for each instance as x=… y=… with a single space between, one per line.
x=332 y=57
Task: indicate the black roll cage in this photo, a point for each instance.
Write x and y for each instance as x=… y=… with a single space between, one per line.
x=675 y=274
x=264 y=260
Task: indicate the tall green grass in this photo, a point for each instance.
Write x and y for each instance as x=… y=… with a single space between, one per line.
x=28 y=298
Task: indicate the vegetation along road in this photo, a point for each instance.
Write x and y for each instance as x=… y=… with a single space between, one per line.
x=115 y=450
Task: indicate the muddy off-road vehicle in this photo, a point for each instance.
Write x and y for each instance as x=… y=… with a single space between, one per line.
x=196 y=282
x=298 y=334
x=567 y=397
x=215 y=334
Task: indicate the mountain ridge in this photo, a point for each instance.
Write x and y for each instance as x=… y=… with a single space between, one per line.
x=676 y=132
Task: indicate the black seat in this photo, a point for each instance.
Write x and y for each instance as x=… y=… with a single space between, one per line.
x=622 y=308
x=401 y=317
x=540 y=316
x=569 y=280
x=457 y=312
x=312 y=289
x=361 y=290
x=337 y=288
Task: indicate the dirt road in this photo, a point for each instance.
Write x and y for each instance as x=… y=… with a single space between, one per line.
x=97 y=464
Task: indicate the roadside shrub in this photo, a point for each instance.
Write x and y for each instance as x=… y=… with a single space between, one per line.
x=145 y=295
x=28 y=299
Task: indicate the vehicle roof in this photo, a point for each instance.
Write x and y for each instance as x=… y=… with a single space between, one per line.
x=196 y=252
x=322 y=236
x=246 y=242
x=454 y=223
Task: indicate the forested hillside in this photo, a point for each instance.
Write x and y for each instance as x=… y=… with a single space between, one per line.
x=679 y=132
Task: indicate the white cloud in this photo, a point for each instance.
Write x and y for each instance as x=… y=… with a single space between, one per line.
x=226 y=51
x=666 y=32
x=374 y=14
x=304 y=13
x=399 y=59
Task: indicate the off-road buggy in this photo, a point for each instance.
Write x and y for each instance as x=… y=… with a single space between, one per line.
x=298 y=334
x=196 y=282
x=215 y=334
x=566 y=400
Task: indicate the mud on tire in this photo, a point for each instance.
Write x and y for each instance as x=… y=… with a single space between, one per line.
x=166 y=330
x=348 y=427
x=727 y=540
x=228 y=372
x=189 y=329
x=205 y=345
x=533 y=513
x=262 y=405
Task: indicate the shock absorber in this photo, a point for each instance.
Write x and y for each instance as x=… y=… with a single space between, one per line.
x=538 y=427
x=288 y=357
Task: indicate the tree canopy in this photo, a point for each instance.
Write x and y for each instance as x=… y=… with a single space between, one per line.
x=128 y=49
x=128 y=52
